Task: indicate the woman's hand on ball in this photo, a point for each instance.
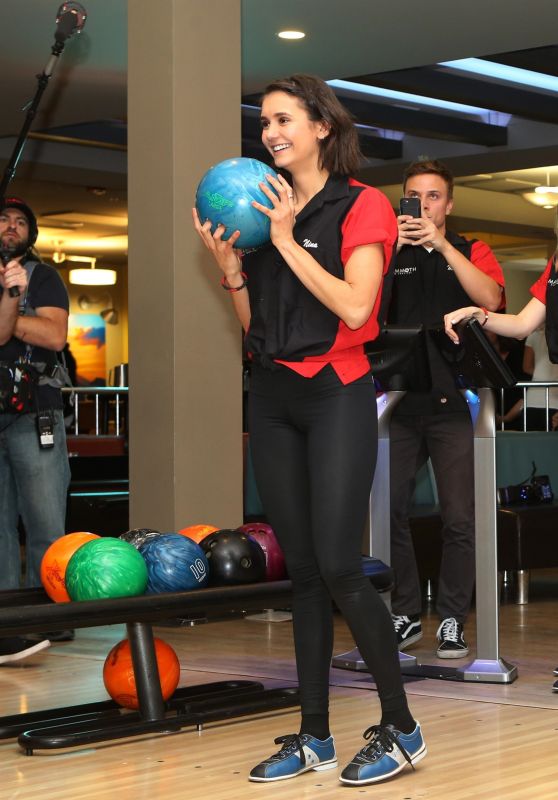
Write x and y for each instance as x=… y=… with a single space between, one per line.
x=282 y=215
x=223 y=251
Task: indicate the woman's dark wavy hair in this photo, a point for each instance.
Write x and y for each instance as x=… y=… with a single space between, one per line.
x=340 y=151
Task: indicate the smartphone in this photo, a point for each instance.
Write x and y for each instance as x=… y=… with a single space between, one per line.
x=411 y=206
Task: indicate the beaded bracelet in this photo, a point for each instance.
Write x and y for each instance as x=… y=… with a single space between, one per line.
x=228 y=288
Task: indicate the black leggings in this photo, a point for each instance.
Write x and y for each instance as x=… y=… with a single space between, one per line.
x=314 y=443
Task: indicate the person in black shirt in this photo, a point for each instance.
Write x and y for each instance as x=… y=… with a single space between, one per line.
x=435 y=270
x=308 y=301
x=34 y=470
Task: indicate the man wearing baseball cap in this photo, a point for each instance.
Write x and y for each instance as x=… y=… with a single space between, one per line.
x=34 y=469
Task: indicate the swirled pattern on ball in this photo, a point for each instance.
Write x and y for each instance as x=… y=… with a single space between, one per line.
x=105 y=568
x=225 y=195
x=174 y=564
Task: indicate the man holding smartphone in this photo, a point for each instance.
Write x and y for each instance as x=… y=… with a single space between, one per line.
x=433 y=268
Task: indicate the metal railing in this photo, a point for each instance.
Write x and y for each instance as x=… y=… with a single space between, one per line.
x=525 y=385
x=102 y=409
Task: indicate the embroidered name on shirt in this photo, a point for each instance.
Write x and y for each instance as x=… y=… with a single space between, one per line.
x=553 y=282
x=405 y=270
x=307 y=243
x=449 y=269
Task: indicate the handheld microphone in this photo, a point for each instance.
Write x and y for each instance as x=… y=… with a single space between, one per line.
x=7 y=252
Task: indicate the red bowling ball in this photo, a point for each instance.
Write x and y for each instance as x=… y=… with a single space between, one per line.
x=274 y=560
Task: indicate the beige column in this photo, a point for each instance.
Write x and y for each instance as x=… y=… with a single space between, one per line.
x=184 y=95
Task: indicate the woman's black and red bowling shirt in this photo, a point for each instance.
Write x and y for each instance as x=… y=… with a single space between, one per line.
x=545 y=289
x=288 y=324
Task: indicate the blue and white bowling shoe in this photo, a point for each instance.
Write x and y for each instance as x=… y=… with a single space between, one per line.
x=299 y=753
x=387 y=753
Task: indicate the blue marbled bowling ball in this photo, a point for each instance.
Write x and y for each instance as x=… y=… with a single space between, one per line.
x=225 y=194
x=174 y=564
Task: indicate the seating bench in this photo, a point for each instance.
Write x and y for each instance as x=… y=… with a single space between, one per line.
x=527 y=534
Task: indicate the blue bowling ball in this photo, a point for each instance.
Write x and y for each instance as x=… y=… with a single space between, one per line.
x=174 y=564
x=225 y=195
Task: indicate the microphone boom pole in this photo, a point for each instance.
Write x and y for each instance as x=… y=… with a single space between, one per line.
x=70 y=19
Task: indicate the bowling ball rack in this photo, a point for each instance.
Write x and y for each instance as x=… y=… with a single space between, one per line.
x=25 y=611
x=31 y=610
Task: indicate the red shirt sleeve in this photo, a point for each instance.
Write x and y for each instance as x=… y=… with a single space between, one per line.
x=484 y=259
x=371 y=220
x=538 y=289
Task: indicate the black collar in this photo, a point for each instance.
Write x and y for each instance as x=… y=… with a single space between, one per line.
x=335 y=188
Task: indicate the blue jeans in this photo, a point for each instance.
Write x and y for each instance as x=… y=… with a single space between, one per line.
x=33 y=484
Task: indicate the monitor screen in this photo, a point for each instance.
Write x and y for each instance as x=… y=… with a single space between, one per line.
x=399 y=359
x=475 y=362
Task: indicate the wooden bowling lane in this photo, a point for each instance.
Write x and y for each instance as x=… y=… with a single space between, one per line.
x=484 y=741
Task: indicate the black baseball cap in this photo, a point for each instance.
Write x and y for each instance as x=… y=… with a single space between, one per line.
x=21 y=205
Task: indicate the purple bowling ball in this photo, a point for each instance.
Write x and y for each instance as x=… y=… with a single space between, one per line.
x=263 y=534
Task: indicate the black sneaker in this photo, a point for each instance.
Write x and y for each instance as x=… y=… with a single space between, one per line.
x=555 y=686
x=15 y=648
x=555 y=670
x=407 y=629
x=59 y=636
x=452 y=643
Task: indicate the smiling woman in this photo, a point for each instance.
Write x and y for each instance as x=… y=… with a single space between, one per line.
x=308 y=301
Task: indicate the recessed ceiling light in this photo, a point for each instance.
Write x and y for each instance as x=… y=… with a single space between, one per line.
x=291 y=34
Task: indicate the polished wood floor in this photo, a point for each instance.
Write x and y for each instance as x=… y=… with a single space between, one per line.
x=484 y=741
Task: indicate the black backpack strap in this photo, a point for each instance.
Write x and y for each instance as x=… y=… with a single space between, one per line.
x=24 y=309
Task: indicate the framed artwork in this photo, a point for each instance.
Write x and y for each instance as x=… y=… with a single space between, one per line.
x=87 y=340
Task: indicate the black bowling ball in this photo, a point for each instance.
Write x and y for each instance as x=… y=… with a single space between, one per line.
x=139 y=536
x=233 y=558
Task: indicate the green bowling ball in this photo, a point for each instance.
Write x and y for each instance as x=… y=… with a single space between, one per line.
x=113 y=568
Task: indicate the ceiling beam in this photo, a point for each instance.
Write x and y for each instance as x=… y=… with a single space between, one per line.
x=425 y=124
x=461 y=165
x=448 y=85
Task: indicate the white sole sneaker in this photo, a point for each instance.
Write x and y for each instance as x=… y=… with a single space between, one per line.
x=416 y=637
x=452 y=653
x=21 y=654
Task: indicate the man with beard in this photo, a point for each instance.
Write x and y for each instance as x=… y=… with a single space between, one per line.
x=34 y=468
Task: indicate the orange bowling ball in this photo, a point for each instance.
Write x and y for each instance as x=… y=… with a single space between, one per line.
x=118 y=672
x=198 y=532
x=55 y=561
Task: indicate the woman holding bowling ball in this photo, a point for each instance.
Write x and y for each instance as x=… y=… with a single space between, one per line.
x=308 y=301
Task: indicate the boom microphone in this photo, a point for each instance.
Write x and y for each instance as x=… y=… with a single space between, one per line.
x=70 y=19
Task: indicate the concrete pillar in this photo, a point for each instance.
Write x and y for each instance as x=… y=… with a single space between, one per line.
x=184 y=85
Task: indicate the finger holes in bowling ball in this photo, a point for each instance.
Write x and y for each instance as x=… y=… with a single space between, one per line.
x=233 y=557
